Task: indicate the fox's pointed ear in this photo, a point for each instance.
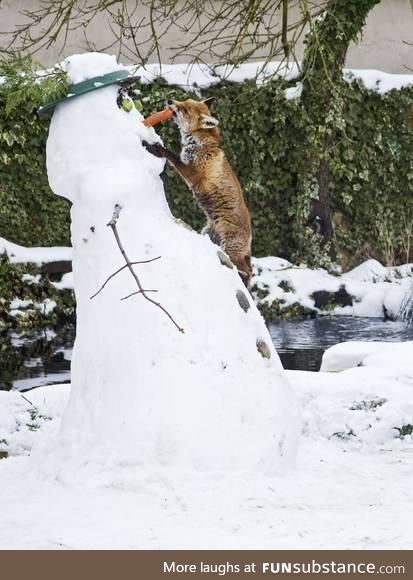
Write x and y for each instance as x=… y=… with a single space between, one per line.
x=210 y=102
x=208 y=122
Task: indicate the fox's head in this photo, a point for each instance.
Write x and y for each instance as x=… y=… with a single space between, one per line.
x=191 y=116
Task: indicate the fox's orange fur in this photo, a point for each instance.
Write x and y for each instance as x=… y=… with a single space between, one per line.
x=203 y=166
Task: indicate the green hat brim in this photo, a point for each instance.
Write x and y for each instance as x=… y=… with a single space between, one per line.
x=121 y=77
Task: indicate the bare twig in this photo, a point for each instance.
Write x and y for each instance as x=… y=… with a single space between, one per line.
x=26 y=399
x=137 y=292
x=224 y=32
x=128 y=264
x=115 y=216
x=120 y=270
x=284 y=37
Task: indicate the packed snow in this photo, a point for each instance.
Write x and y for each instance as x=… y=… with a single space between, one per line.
x=378 y=354
x=181 y=398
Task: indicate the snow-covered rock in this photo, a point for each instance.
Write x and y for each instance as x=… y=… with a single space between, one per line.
x=370 y=289
x=20 y=254
x=141 y=390
x=376 y=354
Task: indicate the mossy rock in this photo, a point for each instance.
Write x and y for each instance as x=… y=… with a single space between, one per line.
x=263 y=348
x=243 y=300
x=272 y=311
x=327 y=301
x=224 y=259
x=404 y=430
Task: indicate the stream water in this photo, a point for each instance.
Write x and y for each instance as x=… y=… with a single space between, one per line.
x=29 y=360
x=301 y=343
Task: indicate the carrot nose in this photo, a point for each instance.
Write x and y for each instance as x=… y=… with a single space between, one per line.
x=157 y=117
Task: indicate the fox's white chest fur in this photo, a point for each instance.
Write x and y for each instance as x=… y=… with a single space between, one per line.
x=188 y=152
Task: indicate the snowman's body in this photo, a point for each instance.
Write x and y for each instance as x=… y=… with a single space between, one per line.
x=141 y=390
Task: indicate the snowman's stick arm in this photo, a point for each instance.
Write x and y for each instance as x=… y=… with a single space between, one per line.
x=112 y=225
x=120 y=270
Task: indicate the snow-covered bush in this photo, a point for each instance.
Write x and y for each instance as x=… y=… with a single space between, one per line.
x=34 y=293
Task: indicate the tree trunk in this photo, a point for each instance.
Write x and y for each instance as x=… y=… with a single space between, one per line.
x=324 y=58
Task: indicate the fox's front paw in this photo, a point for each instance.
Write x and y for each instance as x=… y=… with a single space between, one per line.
x=154 y=148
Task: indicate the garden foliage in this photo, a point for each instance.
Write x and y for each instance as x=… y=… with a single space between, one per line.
x=272 y=143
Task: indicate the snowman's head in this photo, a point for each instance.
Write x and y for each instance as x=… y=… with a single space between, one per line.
x=90 y=72
x=89 y=132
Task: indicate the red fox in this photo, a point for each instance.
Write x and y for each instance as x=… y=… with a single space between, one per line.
x=208 y=174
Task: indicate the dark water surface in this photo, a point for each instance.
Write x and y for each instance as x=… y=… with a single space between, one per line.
x=301 y=343
x=29 y=360
x=36 y=358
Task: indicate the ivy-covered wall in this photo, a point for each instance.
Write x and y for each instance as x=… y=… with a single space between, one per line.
x=30 y=214
x=268 y=140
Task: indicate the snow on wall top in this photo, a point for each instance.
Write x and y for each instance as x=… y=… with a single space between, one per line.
x=376 y=80
x=85 y=66
x=203 y=76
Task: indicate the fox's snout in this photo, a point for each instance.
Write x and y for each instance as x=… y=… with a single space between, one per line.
x=175 y=106
x=192 y=115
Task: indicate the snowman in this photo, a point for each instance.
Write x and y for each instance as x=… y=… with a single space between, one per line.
x=184 y=373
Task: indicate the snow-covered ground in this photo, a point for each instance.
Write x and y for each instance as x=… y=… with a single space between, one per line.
x=336 y=499
x=350 y=487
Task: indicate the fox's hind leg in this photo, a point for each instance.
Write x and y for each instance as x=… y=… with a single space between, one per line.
x=243 y=265
x=210 y=231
